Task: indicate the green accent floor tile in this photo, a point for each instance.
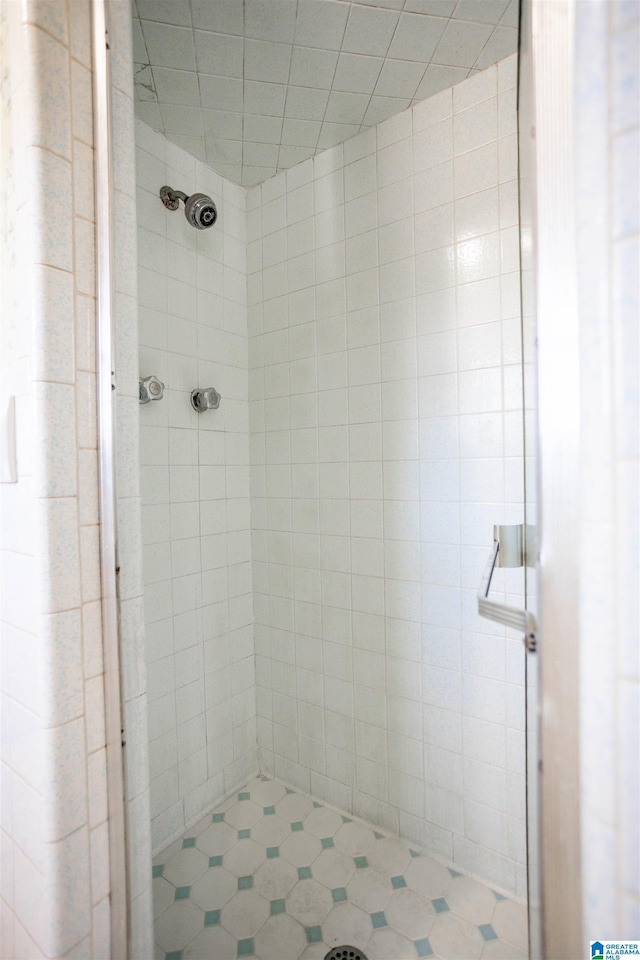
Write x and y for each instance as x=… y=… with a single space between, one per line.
x=188 y=842
x=174 y=955
x=215 y=861
x=246 y=947
x=304 y=873
x=440 y=905
x=398 y=882
x=244 y=834
x=263 y=778
x=314 y=934
x=361 y=862
x=217 y=818
x=378 y=836
x=327 y=843
x=487 y=931
x=277 y=906
x=338 y=894
x=157 y=871
x=182 y=893
x=212 y=918
x=297 y=825
x=454 y=873
x=288 y=791
x=244 y=796
x=378 y=920
x=498 y=896
x=423 y=948
x=273 y=852
x=414 y=853
x=317 y=805
x=245 y=883
x=268 y=811
x=346 y=819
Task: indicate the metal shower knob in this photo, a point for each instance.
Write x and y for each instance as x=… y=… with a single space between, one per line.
x=151 y=389
x=207 y=399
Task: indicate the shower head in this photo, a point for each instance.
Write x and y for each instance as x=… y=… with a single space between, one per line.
x=199 y=209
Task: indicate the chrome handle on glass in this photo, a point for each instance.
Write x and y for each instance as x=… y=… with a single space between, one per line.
x=507 y=551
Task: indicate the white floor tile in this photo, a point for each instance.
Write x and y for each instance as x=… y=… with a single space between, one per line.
x=274 y=875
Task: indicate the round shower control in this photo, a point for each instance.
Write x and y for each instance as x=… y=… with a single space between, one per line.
x=151 y=389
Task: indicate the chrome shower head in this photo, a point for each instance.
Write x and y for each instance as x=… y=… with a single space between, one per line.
x=199 y=209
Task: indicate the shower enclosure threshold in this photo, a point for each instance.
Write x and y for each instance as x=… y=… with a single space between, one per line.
x=275 y=875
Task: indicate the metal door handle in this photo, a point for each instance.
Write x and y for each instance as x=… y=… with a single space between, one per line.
x=505 y=552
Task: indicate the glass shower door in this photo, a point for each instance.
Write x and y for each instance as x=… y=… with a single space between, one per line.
x=529 y=414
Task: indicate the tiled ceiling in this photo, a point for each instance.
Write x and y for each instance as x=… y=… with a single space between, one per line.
x=255 y=86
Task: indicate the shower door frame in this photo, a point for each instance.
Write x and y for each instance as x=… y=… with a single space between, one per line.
x=554 y=68
x=105 y=367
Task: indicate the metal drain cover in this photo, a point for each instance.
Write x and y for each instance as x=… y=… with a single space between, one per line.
x=345 y=953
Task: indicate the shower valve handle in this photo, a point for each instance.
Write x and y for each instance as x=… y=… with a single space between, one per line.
x=207 y=399
x=151 y=389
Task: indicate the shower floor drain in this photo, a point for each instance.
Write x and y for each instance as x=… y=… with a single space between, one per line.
x=345 y=953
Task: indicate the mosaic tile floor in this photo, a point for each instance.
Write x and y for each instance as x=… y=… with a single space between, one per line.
x=273 y=875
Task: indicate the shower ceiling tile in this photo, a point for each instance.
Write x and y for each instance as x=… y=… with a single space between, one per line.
x=266 y=61
x=225 y=92
x=143 y=84
x=313 y=68
x=226 y=151
x=435 y=8
x=193 y=145
x=139 y=46
x=177 y=12
x=320 y=24
x=219 y=123
x=169 y=46
x=260 y=154
x=262 y=129
x=186 y=121
x=461 y=43
x=439 y=78
x=275 y=20
x=218 y=54
x=369 y=31
x=333 y=133
x=300 y=133
x=346 y=107
x=416 y=37
x=177 y=86
x=511 y=14
x=501 y=40
x=253 y=175
x=399 y=78
x=381 y=108
x=489 y=11
x=265 y=99
x=303 y=103
x=330 y=67
x=223 y=16
x=290 y=155
x=356 y=73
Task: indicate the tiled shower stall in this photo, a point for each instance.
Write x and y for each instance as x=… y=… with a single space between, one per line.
x=366 y=443
x=369 y=436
